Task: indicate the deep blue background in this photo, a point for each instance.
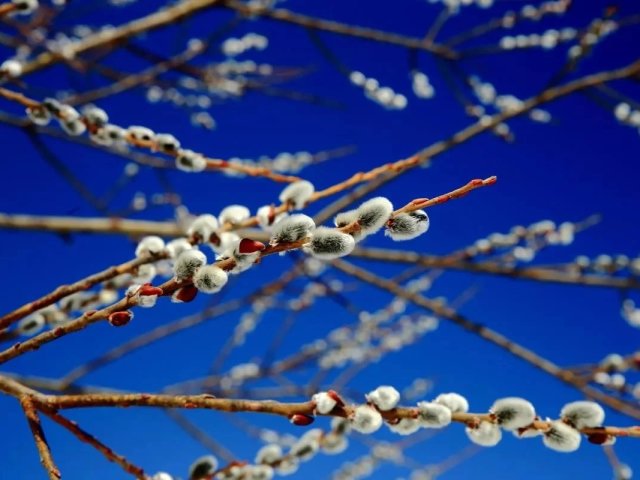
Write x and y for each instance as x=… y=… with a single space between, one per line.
x=582 y=163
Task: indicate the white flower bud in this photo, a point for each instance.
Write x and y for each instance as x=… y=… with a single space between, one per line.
x=257 y=472
x=188 y=263
x=31 y=325
x=433 y=415
x=487 y=434
x=162 y=476
x=324 y=402
x=203 y=227
x=454 y=402
x=39 y=115
x=297 y=194
x=267 y=216
x=328 y=243
x=190 y=161
x=73 y=127
x=167 y=142
x=407 y=226
x=11 y=68
x=113 y=133
x=145 y=273
x=366 y=419
x=151 y=245
x=562 y=438
x=210 y=279
x=384 y=397
x=226 y=242
x=140 y=134
x=25 y=7
x=406 y=426
x=513 y=413
x=269 y=454
x=583 y=414
x=233 y=214
x=373 y=214
x=345 y=218
x=292 y=229
x=333 y=443
x=203 y=467
x=288 y=466
x=176 y=246
x=307 y=446
x=95 y=115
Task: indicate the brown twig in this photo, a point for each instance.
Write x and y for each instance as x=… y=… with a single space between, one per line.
x=489 y=335
x=86 y=437
x=539 y=274
x=39 y=438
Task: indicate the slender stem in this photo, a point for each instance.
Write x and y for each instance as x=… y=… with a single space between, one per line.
x=39 y=438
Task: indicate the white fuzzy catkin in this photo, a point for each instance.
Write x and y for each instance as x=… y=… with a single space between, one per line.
x=141 y=134
x=233 y=214
x=267 y=216
x=291 y=229
x=513 y=412
x=453 y=401
x=373 y=214
x=407 y=226
x=366 y=419
x=406 y=426
x=176 y=246
x=333 y=443
x=30 y=325
x=226 y=242
x=269 y=454
x=324 y=402
x=190 y=161
x=562 y=438
x=188 y=263
x=345 y=218
x=297 y=194
x=258 y=472
x=167 y=142
x=203 y=227
x=210 y=279
x=307 y=445
x=583 y=414
x=203 y=467
x=384 y=397
x=329 y=243
x=95 y=115
x=433 y=415
x=486 y=434
x=151 y=245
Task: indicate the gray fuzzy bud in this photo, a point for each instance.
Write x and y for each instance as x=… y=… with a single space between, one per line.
x=328 y=243
x=210 y=279
x=188 y=263
x=292 y=229
x=373 y=214
x=407 y=226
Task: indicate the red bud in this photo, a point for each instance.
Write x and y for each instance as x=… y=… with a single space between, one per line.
x=147 y=290
x=118 y=319
x=301 y=419
x=334 y=395
x=250 y=246
x=598 y=438
x=184 y=294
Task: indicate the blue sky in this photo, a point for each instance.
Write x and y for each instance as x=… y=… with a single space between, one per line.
x=582 y=163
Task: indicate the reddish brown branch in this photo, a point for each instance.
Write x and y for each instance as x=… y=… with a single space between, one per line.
x=39 y=438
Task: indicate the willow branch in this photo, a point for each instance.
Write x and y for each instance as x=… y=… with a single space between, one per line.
x=39 y=438
x=384 y=174
x=538 y=274
x=488 y=335
x=314 y=23
x=81 y=285
x=86 y=437
x=163 y=17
